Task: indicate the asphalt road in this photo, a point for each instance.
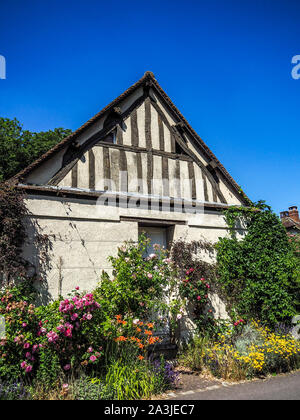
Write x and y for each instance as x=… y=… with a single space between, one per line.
x=281 y=387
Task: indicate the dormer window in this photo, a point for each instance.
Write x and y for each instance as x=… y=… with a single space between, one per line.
x=111 y=137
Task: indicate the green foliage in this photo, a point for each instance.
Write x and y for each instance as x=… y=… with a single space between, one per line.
x=12 y=232
x=259 y=273
x=19 y=148
x=138 y=283
x=195 y=276
x=49 y=369
x=192 y=356
x=86 y=388
x=130 y=382
x=13 y=391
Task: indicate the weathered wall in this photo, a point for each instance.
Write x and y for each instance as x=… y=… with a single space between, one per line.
x=84 y=235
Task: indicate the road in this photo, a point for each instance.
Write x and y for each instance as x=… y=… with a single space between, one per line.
x=281 y=387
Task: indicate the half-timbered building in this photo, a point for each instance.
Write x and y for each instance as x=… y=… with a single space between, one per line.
x=136 y=165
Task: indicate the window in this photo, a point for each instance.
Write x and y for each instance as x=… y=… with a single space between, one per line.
x=110 y=137
x=157 y=235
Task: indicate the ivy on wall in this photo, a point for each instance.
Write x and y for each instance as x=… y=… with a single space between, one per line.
x=260 y=272
x=14 y=234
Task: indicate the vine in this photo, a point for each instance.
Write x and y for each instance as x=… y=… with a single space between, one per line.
x=15 y=223
x=259 y=273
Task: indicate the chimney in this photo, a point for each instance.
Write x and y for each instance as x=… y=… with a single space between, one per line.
x=294 y=214
x=284 y=214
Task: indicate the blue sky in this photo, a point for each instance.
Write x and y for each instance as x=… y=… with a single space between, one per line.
x=225 y=64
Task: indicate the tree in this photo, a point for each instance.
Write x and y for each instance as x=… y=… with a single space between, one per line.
x=259 y=273
x=19 y=148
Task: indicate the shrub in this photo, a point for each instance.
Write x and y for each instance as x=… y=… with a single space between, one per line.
x=138 y=283
x=86 y=388
x=14 y=391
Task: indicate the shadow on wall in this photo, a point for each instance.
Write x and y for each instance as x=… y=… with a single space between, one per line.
x=37 y=259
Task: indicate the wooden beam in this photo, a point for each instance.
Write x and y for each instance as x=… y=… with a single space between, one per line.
x=91 y=169
x=165 y=177
x=74 y=176
x=124 y=170
x=148 y=124
x=192 y=180
x=161 y=133
x=134 y=129
x=106 y=168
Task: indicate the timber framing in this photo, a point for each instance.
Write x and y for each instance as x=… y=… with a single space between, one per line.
x=114 y=120
x=65 y=193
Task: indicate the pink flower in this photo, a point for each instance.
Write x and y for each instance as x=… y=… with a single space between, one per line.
x=67 y=367
x=28 y=355
x=93 y=358
x=28 y=369
x=90 y=350
x=89 y=316
x=52 y=337
x=68 y=332
x=24 y=324
x=198 y=297
x=149 y=275
x=77 y=288
x=23 y=365
x=26 y=346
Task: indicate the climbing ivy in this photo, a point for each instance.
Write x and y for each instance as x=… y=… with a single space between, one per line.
x=14 y=225
x=259 y=272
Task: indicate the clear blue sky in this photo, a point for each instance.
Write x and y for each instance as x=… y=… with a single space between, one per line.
x=225 y=64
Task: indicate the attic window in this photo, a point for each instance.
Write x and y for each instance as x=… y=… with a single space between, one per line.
x=110 y=137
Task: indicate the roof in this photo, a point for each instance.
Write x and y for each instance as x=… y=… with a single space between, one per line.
x=148 y=76
x=290 y=223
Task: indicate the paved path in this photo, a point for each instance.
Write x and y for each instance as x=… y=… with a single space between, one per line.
x=281 y=387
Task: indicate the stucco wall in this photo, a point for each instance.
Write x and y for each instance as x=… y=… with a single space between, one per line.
x=84 y=235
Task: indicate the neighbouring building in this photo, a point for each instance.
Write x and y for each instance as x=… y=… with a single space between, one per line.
x=136 y=165
x=291 y=221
